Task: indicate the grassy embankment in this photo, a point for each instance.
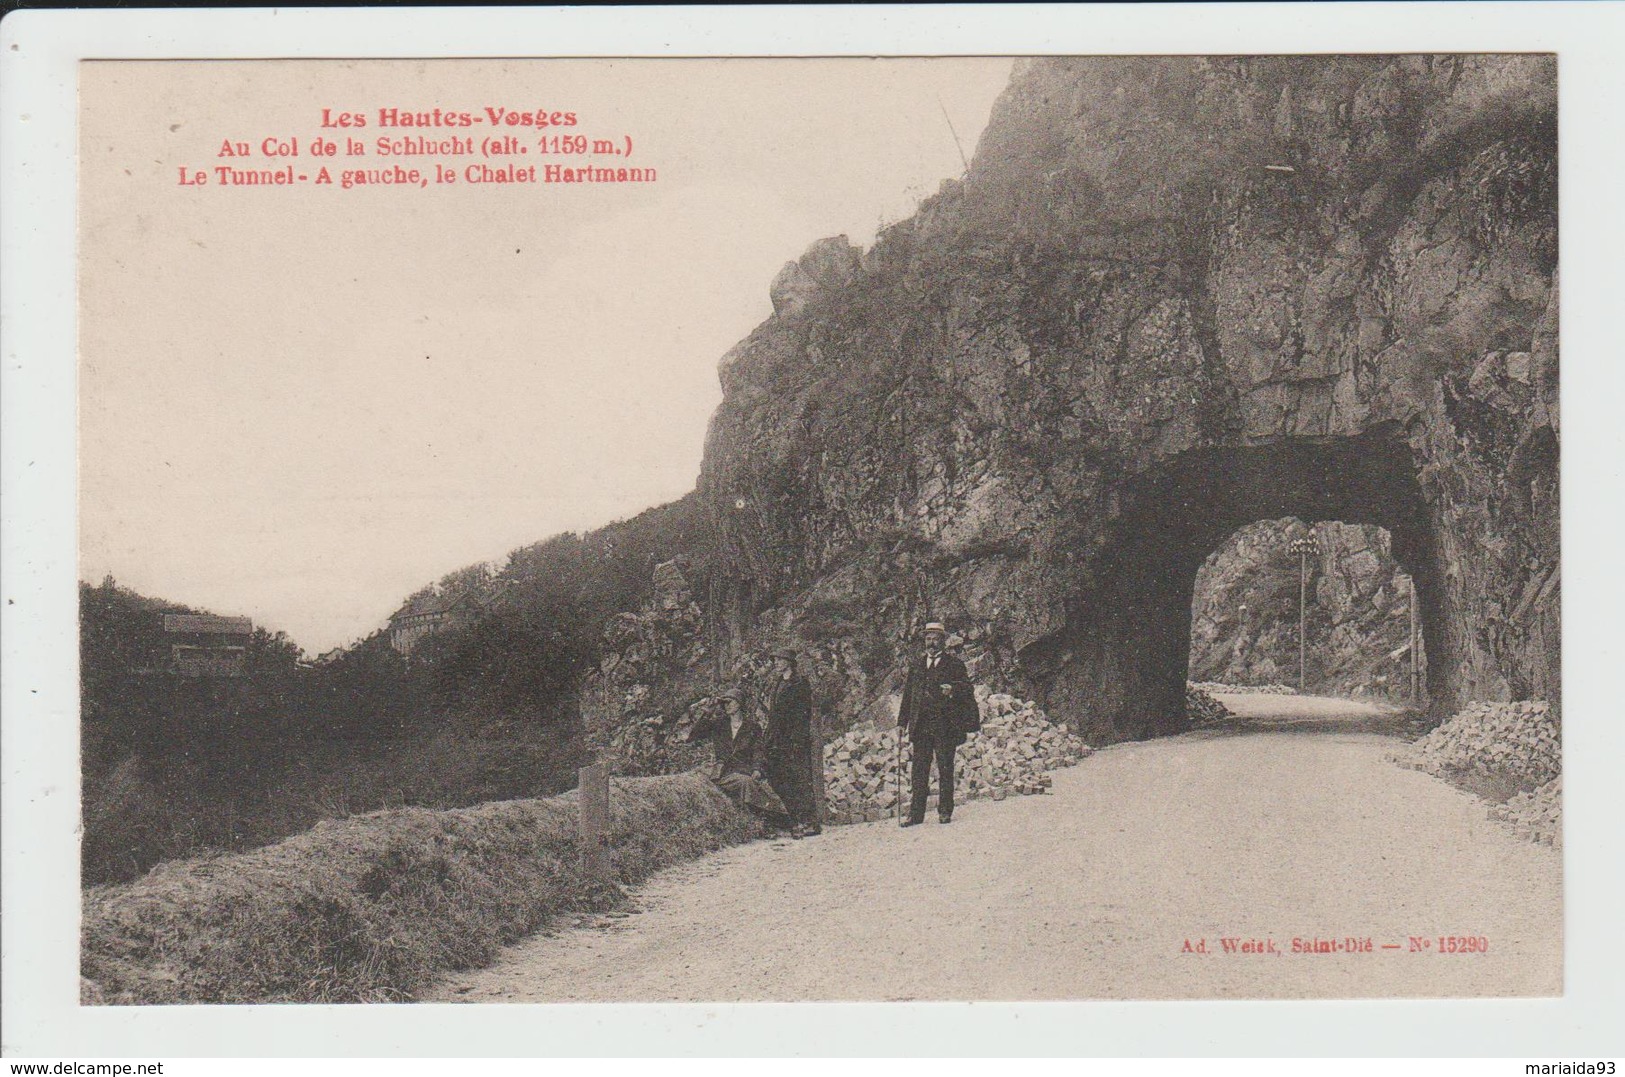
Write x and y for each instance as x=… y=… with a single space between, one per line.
x=372 y=908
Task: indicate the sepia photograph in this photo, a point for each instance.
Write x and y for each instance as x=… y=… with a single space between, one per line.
x=523 y=560
x=959 y=531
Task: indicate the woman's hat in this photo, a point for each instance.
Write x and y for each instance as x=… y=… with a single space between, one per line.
x=787 y=653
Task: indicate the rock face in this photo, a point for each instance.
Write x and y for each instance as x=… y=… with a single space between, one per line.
x=1244 y=617
x=638 y=706
x=1172 y=296
x=829 y=263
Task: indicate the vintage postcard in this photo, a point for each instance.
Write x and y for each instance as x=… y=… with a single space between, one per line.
x=1200 y=413
x=1006 y=528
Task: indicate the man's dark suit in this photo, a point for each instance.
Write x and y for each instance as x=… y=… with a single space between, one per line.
x=937 y=724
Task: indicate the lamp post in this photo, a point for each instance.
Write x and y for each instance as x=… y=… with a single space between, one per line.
x=723 y=621
x=1303 y=547
x=1416 y=645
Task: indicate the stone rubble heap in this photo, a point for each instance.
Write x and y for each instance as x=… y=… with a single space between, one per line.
x=1010 y=755
x=1245 y=689
x=1515 y=745
x=1203 y=709
x=1536 y=815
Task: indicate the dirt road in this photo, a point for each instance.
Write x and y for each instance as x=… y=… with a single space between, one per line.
x=1292 y=825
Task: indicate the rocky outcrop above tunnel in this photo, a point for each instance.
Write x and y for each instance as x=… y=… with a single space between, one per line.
x=1333 y=277
x=827 y=265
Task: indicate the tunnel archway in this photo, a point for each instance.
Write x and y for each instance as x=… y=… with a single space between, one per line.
x=1332 y=620
x=1121 y=662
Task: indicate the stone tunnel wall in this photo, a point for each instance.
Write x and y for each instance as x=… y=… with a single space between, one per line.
x=1170 y=297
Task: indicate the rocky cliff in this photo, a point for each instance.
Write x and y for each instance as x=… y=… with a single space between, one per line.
x=1171 y=297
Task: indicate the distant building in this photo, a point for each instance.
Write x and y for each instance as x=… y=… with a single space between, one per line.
x=327 y=658
x=421 y=617
x=203 y=645
x=429 y=614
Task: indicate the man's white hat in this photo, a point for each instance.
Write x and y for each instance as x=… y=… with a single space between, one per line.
x=936 y=626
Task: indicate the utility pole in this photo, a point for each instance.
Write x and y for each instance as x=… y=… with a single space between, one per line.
x=957 y=145
x=1416 y=647
x=1303 y=547
x=716 y=621
x=1303 y=636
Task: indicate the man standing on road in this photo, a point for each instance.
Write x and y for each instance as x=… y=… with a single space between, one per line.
x=938 y=713
x=788 y=743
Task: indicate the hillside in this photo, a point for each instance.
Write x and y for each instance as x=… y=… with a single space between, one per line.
x=173 y=765
x=1172 y=298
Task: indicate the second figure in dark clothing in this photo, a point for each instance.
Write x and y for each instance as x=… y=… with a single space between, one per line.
x=787 y=743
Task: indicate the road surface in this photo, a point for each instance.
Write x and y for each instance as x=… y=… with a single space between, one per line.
x=1122 y=883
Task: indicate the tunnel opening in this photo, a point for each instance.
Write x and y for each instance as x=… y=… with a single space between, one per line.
x=1322 y=609
x=1121 y=663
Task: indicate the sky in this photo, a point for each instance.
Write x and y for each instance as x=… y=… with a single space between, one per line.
x=302 y=403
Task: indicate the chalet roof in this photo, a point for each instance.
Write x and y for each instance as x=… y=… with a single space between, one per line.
x=420 y=604
x=432 y=604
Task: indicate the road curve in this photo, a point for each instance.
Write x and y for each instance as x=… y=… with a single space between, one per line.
x=1292 y=825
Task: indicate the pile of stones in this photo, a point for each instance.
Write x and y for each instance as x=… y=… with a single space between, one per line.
x=1016 y=746
x=1510 y=746
x=1536 y=815
x=1203 y=709
x=1246 y=689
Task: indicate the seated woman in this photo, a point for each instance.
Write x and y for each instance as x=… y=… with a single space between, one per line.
x=737 y=739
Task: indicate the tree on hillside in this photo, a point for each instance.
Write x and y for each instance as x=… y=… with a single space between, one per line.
x=473 y=579
x=529 y=649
